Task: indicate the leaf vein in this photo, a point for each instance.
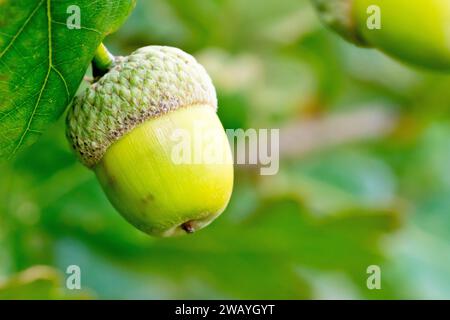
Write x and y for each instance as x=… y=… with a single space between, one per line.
x=82 y=28
x=63 y=80
x=44 y=85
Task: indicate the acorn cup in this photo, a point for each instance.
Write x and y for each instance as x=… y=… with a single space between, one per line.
x=416 y=32
x=122 y=127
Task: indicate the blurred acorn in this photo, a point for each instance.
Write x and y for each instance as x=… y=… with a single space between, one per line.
x=417 y=32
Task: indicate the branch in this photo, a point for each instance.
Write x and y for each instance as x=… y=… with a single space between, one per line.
x=307 y=136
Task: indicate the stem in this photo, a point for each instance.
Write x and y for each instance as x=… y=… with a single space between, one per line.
x=102 y=62
x=187 y=226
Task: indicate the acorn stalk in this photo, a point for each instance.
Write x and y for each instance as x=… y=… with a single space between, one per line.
x=102 y=62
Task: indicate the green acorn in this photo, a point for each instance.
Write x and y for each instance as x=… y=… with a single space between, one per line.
x=417 y=32
x=122 y=127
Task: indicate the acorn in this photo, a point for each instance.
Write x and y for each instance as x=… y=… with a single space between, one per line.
x=124 y=126
x=416 y=32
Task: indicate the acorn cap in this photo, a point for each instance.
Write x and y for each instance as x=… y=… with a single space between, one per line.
x=150 y=82
x=338 y=14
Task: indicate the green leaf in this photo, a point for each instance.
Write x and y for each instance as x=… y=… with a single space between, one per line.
x=42 y=61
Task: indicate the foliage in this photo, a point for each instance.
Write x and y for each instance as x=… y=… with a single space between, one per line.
x=309 y=232
x=42 y=61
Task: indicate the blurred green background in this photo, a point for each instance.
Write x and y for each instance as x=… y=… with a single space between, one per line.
x=364 y=176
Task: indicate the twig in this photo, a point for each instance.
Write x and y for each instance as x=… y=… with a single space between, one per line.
x=307 y=136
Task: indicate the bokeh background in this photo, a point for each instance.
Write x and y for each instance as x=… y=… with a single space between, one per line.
x=364 y=176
